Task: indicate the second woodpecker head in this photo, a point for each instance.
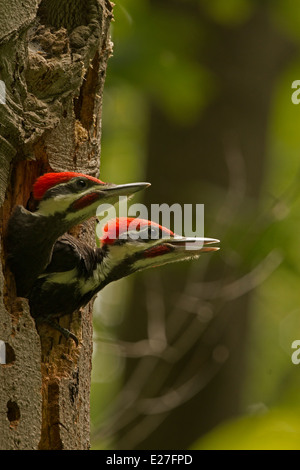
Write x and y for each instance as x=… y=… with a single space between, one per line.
x=75 y=196
x=132 y=244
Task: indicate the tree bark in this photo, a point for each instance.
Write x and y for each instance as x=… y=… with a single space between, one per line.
x=53 y=63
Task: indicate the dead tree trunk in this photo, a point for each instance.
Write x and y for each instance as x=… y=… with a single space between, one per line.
x=53 y=56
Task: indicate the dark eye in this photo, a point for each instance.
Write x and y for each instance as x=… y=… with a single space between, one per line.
x=81 y=184
x=152 y=232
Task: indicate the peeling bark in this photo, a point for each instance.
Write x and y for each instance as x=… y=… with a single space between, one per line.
x=53 y=63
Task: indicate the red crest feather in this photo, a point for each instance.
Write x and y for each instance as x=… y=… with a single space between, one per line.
x=48 y=180
x=115 y=227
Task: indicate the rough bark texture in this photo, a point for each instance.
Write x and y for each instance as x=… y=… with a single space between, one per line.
x=53 y=62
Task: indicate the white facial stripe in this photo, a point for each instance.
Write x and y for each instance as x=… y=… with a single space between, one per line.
x=160 y=260
x=61 y=202
x=117 y=254
x=84 y=213
x=114 y=257
x=57 y=204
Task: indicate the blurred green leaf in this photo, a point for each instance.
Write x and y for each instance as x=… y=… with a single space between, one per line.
x=124 y=133
x=159 y=56
x=287 y=16
x=274 y=430
x=229 y=11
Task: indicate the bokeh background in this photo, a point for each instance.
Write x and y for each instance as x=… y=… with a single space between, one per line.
x=198 y=102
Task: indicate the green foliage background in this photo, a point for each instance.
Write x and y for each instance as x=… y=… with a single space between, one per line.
x=153 y=62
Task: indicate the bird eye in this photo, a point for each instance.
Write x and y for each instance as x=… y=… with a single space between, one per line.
x=81 y=184
x=152 y=232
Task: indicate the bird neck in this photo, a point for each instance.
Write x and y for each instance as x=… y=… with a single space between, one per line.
x=108 y=266
x=67 y=212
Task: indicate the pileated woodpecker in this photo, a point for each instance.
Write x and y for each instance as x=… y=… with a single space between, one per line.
x=77 y=272
x=64 y=200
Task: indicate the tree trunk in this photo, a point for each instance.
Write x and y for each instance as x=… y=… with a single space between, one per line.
x=53 y=63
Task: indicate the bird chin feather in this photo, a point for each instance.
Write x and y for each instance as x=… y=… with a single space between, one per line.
x=56 y=204
x=164 y=258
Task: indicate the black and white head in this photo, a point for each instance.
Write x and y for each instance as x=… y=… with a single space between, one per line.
x=132 y=244
x=77 y=196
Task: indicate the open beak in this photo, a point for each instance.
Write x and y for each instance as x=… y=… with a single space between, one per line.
x=191 y=244
x=181 y=248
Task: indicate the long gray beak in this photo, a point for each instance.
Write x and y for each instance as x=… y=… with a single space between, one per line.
x=107 y=193
x=124 y=189
x=193 y=244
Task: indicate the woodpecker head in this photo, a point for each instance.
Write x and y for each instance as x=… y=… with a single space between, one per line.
x=132 y=244
x=75 y=195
